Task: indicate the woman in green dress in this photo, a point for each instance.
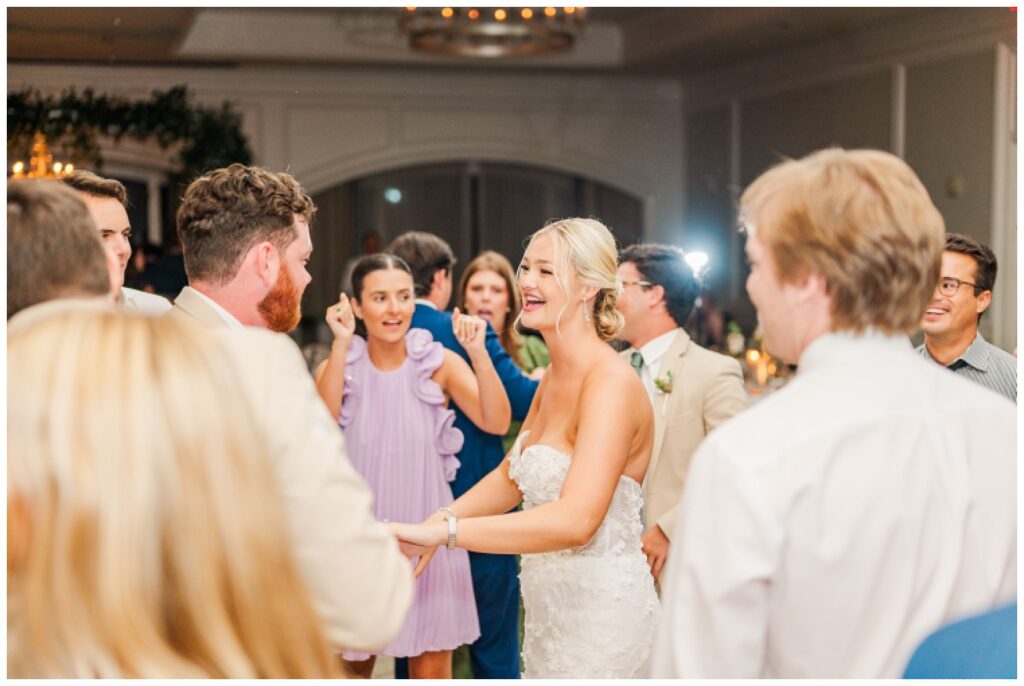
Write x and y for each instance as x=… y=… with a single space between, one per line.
x=487 y=290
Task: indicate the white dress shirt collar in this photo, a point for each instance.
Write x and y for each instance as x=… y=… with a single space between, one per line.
x=228 y=318
x=653 y=351
x=875 y=480
x=426 y=303
x=841 y=344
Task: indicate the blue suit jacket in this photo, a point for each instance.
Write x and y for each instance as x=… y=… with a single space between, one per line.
x=481 y=451
x=980 y=647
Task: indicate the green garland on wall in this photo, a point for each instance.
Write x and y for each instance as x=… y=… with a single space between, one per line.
x=72 y=122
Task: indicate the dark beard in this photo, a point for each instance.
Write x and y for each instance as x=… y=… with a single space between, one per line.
x=280 y=307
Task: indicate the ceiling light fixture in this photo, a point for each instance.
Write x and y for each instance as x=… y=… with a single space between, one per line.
x=41 y=164
x=501 y=32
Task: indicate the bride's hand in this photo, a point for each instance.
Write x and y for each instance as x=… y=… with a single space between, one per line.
x=419 y=540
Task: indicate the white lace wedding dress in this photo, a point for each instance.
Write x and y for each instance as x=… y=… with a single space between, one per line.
x=591 y=611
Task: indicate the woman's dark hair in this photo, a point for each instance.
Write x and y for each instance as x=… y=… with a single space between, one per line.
x=374 y=263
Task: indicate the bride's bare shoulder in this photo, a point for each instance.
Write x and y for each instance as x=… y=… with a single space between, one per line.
x=613 y=375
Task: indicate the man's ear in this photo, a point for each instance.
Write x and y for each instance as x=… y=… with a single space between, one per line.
x=657 y=295
x=440 y=276
x=984 y=300
x=267 y=262
x=810 y=286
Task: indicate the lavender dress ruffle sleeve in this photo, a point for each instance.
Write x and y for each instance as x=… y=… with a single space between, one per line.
x=401 y=439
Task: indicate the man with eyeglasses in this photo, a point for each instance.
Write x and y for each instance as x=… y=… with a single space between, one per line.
x=950 y=323
x=693 y=389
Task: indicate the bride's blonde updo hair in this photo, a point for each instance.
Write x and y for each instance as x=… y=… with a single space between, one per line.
x=588 y=248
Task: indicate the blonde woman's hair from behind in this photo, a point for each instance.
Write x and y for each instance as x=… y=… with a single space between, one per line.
x=497 y=263
x=150 y=536
x=587 y=247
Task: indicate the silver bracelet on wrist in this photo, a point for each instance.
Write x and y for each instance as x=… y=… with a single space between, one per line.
x=452 y=520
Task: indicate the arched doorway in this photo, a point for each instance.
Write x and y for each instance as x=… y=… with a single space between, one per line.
x=473 y=205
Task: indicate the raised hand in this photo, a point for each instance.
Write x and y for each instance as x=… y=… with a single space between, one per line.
x=470 y=331
x=341 y=320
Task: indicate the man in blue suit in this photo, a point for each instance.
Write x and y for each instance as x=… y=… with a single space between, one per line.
x=495 y=655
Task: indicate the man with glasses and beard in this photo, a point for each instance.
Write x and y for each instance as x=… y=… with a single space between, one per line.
x=245 y=237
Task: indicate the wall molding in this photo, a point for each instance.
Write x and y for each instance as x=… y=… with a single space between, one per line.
x=330 y=125
x=899 y=110
x=892 y=49
x=944 y=35
x=1004 y=215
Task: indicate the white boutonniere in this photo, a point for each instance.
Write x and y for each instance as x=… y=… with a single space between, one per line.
x=664 y=383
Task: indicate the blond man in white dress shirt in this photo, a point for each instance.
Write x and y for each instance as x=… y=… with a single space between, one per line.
x=693 y=389
x=834 y=525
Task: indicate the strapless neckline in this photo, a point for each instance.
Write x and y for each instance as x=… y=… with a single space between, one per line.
x=523 y=449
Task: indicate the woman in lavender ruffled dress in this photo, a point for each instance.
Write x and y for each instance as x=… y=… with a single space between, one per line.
x=390 y=393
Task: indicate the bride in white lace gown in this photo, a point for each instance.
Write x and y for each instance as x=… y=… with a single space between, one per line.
x=591 y=610
x=591 y=607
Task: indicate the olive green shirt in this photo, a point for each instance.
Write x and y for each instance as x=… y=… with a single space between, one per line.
x=533 y=354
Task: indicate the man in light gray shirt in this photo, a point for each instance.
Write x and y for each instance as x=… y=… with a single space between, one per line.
x=950 y=324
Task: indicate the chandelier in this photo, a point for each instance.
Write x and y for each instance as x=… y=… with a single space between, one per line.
x=41 y=164
x=492 y=31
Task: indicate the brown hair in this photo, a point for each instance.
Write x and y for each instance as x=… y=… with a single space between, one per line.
x=425 y=253
x=224 y=213
x=985 y=260
x=665 y=266
x=53 y=248
x=863 y=221
x=132 y=567
x=86 y=182
x=985 y=273
x=497 y=263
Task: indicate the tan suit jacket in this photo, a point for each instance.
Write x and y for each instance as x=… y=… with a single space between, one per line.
x=189 y=307
x=141 y=302
x=360 y=582
x=707 y=390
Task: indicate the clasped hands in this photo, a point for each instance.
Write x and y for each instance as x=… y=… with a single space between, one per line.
x=420 y=540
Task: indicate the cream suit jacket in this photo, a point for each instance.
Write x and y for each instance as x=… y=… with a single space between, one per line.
x=707 y=390
x=360 y=582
